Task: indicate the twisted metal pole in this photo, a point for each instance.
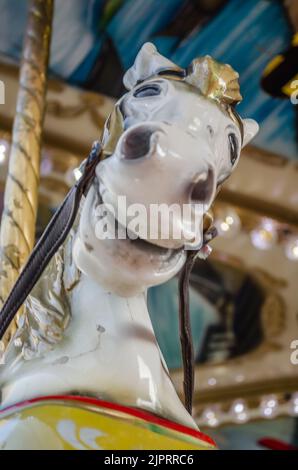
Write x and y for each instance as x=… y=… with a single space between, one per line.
x=17 y=231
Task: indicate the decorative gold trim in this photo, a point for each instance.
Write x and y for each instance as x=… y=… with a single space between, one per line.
x=89 y=103
x=215 y=80
x=272 y=311
x=265 y=157
x=114 y=127
x=259 y=206
x=57 y=180
x=247 y=390
x=21 y=192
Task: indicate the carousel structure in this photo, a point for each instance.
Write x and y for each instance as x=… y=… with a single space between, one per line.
x=114 y=336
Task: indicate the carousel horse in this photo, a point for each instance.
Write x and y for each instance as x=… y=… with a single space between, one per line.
x=85 y=332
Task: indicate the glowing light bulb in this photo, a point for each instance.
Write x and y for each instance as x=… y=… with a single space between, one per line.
x=228 y=223
x=239 y=411
x=3 y=151
x=265 y=236
x=210 y=416
x=212 y=381
x=291 y=248
x=269 y=406
x=293 y=405
x=238 y=408
x=224 y=226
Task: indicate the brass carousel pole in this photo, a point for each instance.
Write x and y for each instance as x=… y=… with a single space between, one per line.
x=17 y=231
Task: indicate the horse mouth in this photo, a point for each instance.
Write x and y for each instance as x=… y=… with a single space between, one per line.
x=148 y=246
x=153 y=250
x=134 y=241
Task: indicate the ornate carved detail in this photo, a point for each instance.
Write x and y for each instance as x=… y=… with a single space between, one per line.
x=215 y=80
x=273 y=310
x=47 y=309
x=273 y=316
x=21 y=193
x=90 y=103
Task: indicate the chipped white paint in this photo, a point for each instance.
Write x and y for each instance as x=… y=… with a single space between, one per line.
x=109 y=348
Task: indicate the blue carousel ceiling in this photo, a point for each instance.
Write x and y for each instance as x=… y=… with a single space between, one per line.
x=94 y=41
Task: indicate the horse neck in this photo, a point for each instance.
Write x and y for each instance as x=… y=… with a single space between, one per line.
x=122 y=343
x=105 y=346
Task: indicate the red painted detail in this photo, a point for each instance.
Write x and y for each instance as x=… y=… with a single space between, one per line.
x=144 y=415
x=275 y=444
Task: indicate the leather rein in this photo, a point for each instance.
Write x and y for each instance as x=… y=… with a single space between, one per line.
x=53 y=237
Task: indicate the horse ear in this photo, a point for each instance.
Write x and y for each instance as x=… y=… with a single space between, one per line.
x=251 y=128
x=147 y=63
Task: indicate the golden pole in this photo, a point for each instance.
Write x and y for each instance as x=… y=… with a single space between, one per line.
x=17 y=231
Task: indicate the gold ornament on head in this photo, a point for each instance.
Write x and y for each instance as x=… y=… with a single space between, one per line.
x=215 y=80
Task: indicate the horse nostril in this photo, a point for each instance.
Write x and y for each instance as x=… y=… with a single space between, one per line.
x=202 y=190
x=136 y=143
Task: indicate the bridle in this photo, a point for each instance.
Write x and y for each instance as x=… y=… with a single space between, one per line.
x=180 y=75
x=53 y=237
x=50 y=241
x=56 y=233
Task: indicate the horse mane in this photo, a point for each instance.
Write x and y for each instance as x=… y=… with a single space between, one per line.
x=47 y=310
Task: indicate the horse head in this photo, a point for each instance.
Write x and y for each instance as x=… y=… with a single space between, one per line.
x=169 y=144
x=172 y=139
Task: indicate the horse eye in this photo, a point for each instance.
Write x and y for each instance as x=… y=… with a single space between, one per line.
x=147 y=90
x=233 y=143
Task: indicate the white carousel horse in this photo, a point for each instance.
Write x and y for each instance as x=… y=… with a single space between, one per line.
x=173 y=138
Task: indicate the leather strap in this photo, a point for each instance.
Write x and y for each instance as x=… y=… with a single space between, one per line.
x=185 y=331
x=50 y=241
